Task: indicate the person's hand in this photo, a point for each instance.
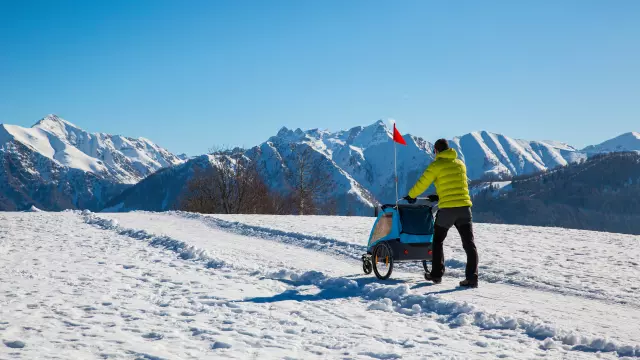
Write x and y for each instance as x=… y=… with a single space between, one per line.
x=409 y=199
x=433 y=198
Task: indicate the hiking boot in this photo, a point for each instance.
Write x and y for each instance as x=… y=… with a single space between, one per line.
x=469 y=284
x=427 y=276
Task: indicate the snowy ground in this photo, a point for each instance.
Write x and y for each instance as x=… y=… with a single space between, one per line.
x=184 y=286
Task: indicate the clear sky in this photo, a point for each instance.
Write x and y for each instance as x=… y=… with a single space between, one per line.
x=193 y=74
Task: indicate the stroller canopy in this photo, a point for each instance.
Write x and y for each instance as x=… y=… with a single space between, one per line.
x=407 y=223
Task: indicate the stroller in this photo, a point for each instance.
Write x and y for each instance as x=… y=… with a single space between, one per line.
x=401 y=233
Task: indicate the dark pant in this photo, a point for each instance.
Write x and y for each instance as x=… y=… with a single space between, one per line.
x=461 y=218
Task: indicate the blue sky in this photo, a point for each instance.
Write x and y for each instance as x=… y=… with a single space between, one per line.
x=193 y=74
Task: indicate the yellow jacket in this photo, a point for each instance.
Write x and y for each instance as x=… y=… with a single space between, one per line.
x=450 y=176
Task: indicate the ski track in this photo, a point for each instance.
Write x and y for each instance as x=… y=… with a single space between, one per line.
x=514 y=242
x=399 y=297
x=179 y=286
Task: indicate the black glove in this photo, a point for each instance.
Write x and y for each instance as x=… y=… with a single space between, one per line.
x=433 y=198
x=409 y=199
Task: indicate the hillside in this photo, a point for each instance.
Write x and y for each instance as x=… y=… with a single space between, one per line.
x=359 y=162
x=366 y=154
x=56 y=165
x=168 y=188
x=626 y=142
x=602 y=193
x=187 y=286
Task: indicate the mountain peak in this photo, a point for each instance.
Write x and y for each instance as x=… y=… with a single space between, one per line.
x=283 y=131
x=53 y=119
x=380 y=125
x=626 y=142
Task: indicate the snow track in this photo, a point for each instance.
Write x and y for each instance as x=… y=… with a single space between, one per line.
x=184 y=286
x=400 y=297
x=563 y=261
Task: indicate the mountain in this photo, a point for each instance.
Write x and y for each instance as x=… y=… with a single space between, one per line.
x=55 y=165
x=366 y=154
x=490 y=155
x=360 y=162
x=125 y=160
x=625 y=142
x=165 y=189
x=601 y=193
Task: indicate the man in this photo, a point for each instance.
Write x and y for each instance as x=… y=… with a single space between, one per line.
x=454 y=203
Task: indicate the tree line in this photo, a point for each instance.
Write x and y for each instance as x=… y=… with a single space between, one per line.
x=601 y=193
x=235 y=184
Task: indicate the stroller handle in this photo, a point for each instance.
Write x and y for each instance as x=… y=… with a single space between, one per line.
x=423 y=200
x=418 y=199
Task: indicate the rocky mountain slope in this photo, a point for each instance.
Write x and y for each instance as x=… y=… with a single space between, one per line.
x=366 y=154
x=625 y=142
x=55 y=165
x=602 y=193
x=360 y=162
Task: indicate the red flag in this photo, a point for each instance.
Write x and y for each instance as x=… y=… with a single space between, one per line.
x=397 y=137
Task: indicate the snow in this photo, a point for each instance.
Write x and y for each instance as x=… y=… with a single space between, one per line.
x=498 y=186
x=626 y=142
x=49 y=146
x=365 y=155
x=189 y=286
x=33 y=209
x=123 y=159
x=115 y=208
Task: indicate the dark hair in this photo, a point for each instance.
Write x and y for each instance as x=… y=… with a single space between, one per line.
x=441 y=145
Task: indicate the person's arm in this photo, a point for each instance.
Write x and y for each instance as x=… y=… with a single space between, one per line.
x=423 y=183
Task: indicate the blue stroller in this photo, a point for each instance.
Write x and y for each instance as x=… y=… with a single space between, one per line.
x=401 y=233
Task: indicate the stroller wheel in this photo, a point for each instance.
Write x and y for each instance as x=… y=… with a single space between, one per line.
x=382 y=261
x=367 y=266
x=425 y=265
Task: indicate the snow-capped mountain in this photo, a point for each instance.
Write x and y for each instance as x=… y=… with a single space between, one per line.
x=625 y=142
x=165 y=189
x=360 y=162
x=123 y=159
x=366 y=154
x=162 y=190
x=280 y=156
x=56 y=165
x=490 y=155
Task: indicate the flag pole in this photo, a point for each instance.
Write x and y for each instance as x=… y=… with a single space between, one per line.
x=395 y=165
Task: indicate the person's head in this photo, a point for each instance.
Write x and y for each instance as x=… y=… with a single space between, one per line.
x=441 y=145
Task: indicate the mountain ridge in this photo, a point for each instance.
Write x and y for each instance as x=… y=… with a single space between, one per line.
x=361 y=161
x=56 y=165
x=629 y=141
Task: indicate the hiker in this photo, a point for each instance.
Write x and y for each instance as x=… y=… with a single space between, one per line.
x=454 y=209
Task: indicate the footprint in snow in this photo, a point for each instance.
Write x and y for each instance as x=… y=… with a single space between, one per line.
x=153 y=336
x=14 y=344
x=220 y=345
x=127 y=267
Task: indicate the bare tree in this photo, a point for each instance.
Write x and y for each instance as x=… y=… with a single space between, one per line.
x=310 y=180
x=200 y=194
x=232 y=185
